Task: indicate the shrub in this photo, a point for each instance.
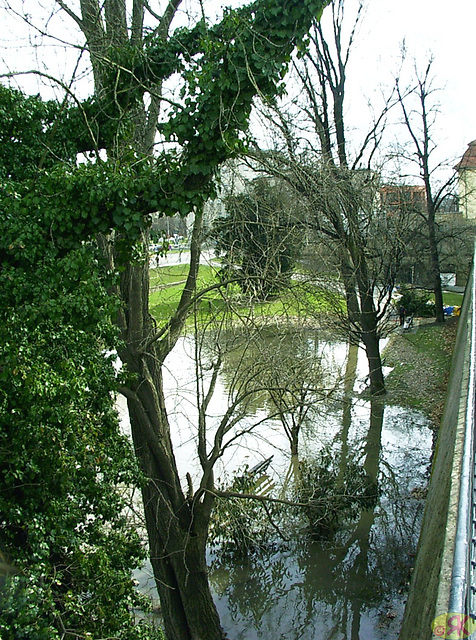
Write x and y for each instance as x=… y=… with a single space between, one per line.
x=333 y=494
x=416 y=302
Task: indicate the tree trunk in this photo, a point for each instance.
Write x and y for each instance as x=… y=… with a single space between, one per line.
x=363 y=315
x=371 y=342
x=177 y=537
x=295 y=442
x=435 y=269
x=177 y=553
x=176 y=524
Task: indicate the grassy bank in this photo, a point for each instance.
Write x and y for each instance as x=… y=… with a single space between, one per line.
x=421 y=362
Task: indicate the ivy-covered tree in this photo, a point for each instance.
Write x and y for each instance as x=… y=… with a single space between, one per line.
x=220 y=70
x=64 y=465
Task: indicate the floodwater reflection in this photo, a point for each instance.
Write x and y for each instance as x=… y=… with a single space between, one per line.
x=352 y=586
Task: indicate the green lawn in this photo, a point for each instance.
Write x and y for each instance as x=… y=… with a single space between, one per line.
x=167 y=283
x=453 y=299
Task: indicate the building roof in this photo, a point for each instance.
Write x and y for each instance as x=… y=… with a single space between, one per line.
x=468 y=161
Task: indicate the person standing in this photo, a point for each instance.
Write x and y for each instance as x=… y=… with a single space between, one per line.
x=401 y=314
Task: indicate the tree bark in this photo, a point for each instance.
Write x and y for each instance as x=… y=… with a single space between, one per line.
x=177 y=524
x=176 y=530
x=371 y=339
x=362 y=312
x=435 y=269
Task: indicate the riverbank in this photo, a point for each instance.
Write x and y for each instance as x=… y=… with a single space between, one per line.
x=420 y=362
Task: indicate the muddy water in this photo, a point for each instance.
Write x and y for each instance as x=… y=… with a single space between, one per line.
x=352 y=587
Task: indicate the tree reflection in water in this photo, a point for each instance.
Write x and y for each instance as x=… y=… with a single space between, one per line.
x=340 y=589
x=350 y=587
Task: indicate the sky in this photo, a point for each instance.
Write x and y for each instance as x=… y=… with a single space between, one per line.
x=445 y=30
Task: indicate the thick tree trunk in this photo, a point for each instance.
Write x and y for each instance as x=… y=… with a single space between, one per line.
x=363 y=316
x=294 y=443
x=371 y=342
x=177 y=524
x=177 y=542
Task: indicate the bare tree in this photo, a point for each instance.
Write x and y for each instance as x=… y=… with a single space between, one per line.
x=420 y=111
x=340 y=192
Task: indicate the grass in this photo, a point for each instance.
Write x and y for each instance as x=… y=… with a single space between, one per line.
x=453 y=299
x=167 y=283
x=420 y=364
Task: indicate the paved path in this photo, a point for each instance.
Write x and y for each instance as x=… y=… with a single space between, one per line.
x=182 y=257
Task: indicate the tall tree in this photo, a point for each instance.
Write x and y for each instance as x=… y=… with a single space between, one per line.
x=340 y=190
x=419 y=115
x=222 y=68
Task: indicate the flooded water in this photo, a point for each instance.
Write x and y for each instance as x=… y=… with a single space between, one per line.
x=351 y=587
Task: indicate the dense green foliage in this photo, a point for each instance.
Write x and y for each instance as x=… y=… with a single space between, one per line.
x=64 y=465
x=259 y=240
x=37 y=135
x=63 y=460
x=416 y=302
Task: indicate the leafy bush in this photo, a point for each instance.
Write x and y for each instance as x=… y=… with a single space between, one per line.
x=65 y=466
x=416 y=302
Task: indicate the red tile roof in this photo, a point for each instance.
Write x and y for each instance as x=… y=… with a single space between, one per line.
x=468 y=161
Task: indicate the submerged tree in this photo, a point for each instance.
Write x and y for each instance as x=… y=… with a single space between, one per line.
x=221 y=68
x=340 y=192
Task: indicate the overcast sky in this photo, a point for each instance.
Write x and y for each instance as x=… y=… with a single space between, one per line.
x=441 y=28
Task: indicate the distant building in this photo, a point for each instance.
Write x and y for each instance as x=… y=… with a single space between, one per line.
x=466 y=169
x=398 y=198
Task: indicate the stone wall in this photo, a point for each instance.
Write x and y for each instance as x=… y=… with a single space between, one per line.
x=430 y=586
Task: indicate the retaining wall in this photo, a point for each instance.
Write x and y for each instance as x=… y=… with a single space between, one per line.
x=431 y=580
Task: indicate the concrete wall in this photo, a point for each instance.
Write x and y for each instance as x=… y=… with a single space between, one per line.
x=429 y=590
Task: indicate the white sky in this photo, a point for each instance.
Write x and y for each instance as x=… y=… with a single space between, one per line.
x=444 y=29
